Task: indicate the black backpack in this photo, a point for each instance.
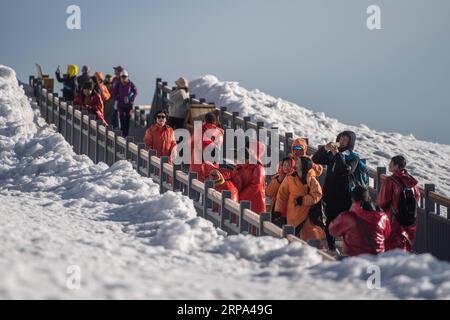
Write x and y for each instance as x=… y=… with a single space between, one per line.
x=316 y=214
x=407 y=205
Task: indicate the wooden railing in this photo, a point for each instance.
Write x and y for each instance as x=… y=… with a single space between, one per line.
x=102 y=144
x=433 y=230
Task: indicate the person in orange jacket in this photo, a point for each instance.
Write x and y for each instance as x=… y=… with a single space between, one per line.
x=91 y=101
x=299 y=192
x=216 y=137
x=300 y=149
x=250 y=180
x=286 y=168
x=160 y=137
x=100 y=87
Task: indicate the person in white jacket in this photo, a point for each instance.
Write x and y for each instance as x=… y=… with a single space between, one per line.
x=178 y=106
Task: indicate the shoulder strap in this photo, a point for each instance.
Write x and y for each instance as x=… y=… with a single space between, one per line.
x=398 y=181
x=363 y=227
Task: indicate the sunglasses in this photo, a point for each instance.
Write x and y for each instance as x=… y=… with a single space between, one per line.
x=161 y=117
x=298 y=148
x=124 y=77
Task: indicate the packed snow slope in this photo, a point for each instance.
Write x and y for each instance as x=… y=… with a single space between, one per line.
x=429 y=162
x=60 y=213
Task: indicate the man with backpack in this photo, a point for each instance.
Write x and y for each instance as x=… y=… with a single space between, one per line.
x=363 y=228
x=399 y=197
x=345 y=171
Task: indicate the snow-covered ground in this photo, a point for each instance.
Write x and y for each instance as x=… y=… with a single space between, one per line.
x=429 y=162
x=59 y=210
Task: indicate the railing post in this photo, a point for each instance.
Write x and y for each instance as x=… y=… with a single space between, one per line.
x=202 y=100
x=164 y=96
x=136 y=118
x=65 y=132
x=207 y=204
x=127 y=147
x=222 y=117
x=80 y=145
x=246 y=121
x=233 y=120
x=244 y=225
x=380 y=171
x=55 y=107
x=224 y=213
x=150 y=168
x=72 y=124
x=45 y=106
x=429 y=208
x=97 y=145
x=176 y=185
x=287 y=146
x=288 y=230
x=162 y=175
x=263 y=218
x=58 y=112
x=141 y=146
x=142 y=119
x=190 y=190
x=89 y=143
x=105 y=150
x=117 y=134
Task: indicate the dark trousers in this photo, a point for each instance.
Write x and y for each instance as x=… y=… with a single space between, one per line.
x=330 y=240
x=125 y=124
x=176 y=123
x=115 y=119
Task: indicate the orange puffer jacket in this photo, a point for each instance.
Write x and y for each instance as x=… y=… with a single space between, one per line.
x=293 y=188
x=161 y=139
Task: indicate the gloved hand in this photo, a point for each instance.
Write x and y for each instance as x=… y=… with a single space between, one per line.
x=299 y=201
x=116 y=105
x=276 y=217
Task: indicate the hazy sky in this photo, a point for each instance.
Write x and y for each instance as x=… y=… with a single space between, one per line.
x=317 y=53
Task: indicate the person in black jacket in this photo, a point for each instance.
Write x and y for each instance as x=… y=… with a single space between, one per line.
x=84 y=78
x=69 y=81
x=341 y=166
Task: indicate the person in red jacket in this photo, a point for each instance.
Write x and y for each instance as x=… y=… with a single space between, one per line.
x=388 y=199
x=222 y=182
x=91 y=101
x=214 y=136
x=363 y=228
x=160 y=137
x=250 y=180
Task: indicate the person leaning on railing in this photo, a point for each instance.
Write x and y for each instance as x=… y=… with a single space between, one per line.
x=91 y=101
x=109 y=104
x=178 y=105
